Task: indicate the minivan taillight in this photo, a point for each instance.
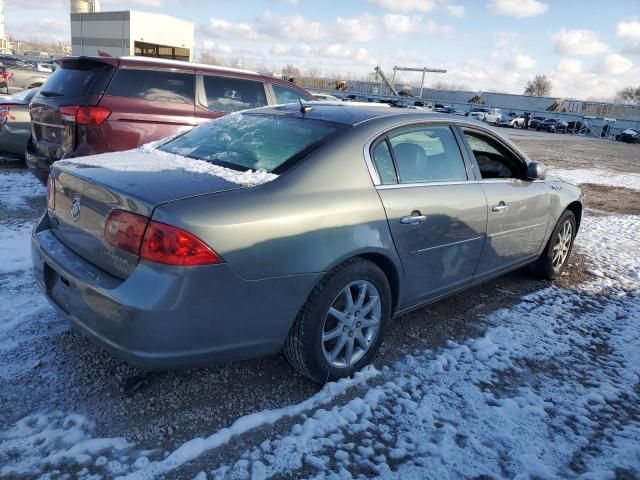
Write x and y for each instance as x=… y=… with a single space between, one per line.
x=173 y=246
x=155 y=241
x=51 y=193
x=125 y=230
x=84 y=115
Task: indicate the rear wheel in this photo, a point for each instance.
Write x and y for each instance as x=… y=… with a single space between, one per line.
x=340 y=328
x=556 y=254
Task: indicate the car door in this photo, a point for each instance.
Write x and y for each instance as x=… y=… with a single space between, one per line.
x=219 y=95
x=435 y=208
x=517 y=208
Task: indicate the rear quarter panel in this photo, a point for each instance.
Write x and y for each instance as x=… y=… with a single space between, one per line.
x=318 y=214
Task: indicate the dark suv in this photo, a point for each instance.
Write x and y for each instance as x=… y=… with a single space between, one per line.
x=92 y=105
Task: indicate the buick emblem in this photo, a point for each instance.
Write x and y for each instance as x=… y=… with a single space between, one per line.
x=75 y=209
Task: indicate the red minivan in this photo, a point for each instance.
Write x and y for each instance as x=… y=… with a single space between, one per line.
x=92 y=105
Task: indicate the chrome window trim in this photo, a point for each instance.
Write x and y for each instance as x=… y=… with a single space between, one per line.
x=425 y=184
x=373 y=171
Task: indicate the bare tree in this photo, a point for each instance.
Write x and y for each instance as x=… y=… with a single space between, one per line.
x=540 y=86
x=313 y=72
x=209 y=59
x=477 y=99
x=628 y=95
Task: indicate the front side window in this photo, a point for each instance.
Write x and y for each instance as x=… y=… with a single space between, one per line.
x=493 y=159
x=153 y=85
x=244 y=141
x=226 y=94
x=427 y=154
x=287 y=95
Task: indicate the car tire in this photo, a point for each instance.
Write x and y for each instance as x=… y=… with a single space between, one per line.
x=560 y=243
x=315 y=337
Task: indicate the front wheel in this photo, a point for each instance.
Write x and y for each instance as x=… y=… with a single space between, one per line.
x=555 y=255
x=340 y=328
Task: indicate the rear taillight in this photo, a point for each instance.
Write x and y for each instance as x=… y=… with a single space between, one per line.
x=84 y=115
x=51 y=193
x=6 y=76
x=170 y=245
x=155 y=241
x=125 y=230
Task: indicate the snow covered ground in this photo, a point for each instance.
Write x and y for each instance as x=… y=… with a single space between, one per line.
x=550 y=390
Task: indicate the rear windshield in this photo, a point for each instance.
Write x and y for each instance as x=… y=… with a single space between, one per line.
x=254 y=142
x=76 y=78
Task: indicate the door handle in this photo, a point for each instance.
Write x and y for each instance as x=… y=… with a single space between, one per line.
x=416 y=218
x=501 y=207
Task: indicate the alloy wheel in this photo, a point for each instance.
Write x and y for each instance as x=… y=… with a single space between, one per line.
x=562 y=245
x=351 y=324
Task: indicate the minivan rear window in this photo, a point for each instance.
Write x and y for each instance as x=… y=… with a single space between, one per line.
x=76 y=78
x=153 y=85
x=244 y=141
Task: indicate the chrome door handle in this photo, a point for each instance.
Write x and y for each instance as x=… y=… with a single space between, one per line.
x=501 y=207
x=413 y=219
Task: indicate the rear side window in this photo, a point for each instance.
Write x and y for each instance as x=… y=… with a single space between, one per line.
x=226 y=94
x=76 y=78
x=153 y=85
x=427 y=154
x=287 y=95
x=384 y=163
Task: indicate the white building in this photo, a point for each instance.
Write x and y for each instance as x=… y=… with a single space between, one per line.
x=128 y=33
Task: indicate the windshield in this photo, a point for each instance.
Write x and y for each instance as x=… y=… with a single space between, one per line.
x=254 y=142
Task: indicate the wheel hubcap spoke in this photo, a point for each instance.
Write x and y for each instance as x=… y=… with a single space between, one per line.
x=351 y=324
x=562 y=245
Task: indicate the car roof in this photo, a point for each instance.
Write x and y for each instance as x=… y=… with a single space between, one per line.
x=344 y=112
x=181 y=64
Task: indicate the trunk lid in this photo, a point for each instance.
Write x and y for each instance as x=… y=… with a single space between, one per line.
x=89 y=188
x=77 y=81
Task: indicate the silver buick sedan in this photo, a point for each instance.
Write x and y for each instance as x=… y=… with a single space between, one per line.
x=303 y=228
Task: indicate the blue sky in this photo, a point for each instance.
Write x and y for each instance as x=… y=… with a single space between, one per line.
x=588 y=48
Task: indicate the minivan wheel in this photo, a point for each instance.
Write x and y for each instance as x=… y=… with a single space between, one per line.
x=556 y=254
x=340 y=328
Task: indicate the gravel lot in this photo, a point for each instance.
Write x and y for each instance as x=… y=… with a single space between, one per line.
x=52 y=368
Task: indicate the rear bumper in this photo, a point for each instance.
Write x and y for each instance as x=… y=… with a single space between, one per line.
x=38 y=164
x=163 y=318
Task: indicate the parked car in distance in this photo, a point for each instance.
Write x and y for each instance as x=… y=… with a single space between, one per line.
x=325 y=97
x=553 y=125
x=489 y=115
x=16 y=75
x=15 y=122
x=511 y=119
x=535 y=121
x=93 y=105
x=302 y=228
x=629 y=136
x=578 y=126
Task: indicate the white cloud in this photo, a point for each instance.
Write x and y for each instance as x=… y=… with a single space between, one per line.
x=433 y=27
x=578 y=42
x=569 y=65
x=404 y=6
x=295 y=27
x=614 y=64
x=214 y=47
x=520 y=61
x=455 y=10
x=136 y=3
x=357 y=29
x=630 y=31
x=518 y=8
x=220 y=28
x=397 y=24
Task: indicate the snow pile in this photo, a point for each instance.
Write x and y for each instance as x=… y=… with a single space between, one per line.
x=14 y=194
x=148 y=159
x=50 y=441
x=598 y=177
x=550 y=391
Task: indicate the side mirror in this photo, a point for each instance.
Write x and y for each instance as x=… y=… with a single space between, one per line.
x=536 y=171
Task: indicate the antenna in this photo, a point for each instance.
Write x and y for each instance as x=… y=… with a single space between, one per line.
x=304 y=108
